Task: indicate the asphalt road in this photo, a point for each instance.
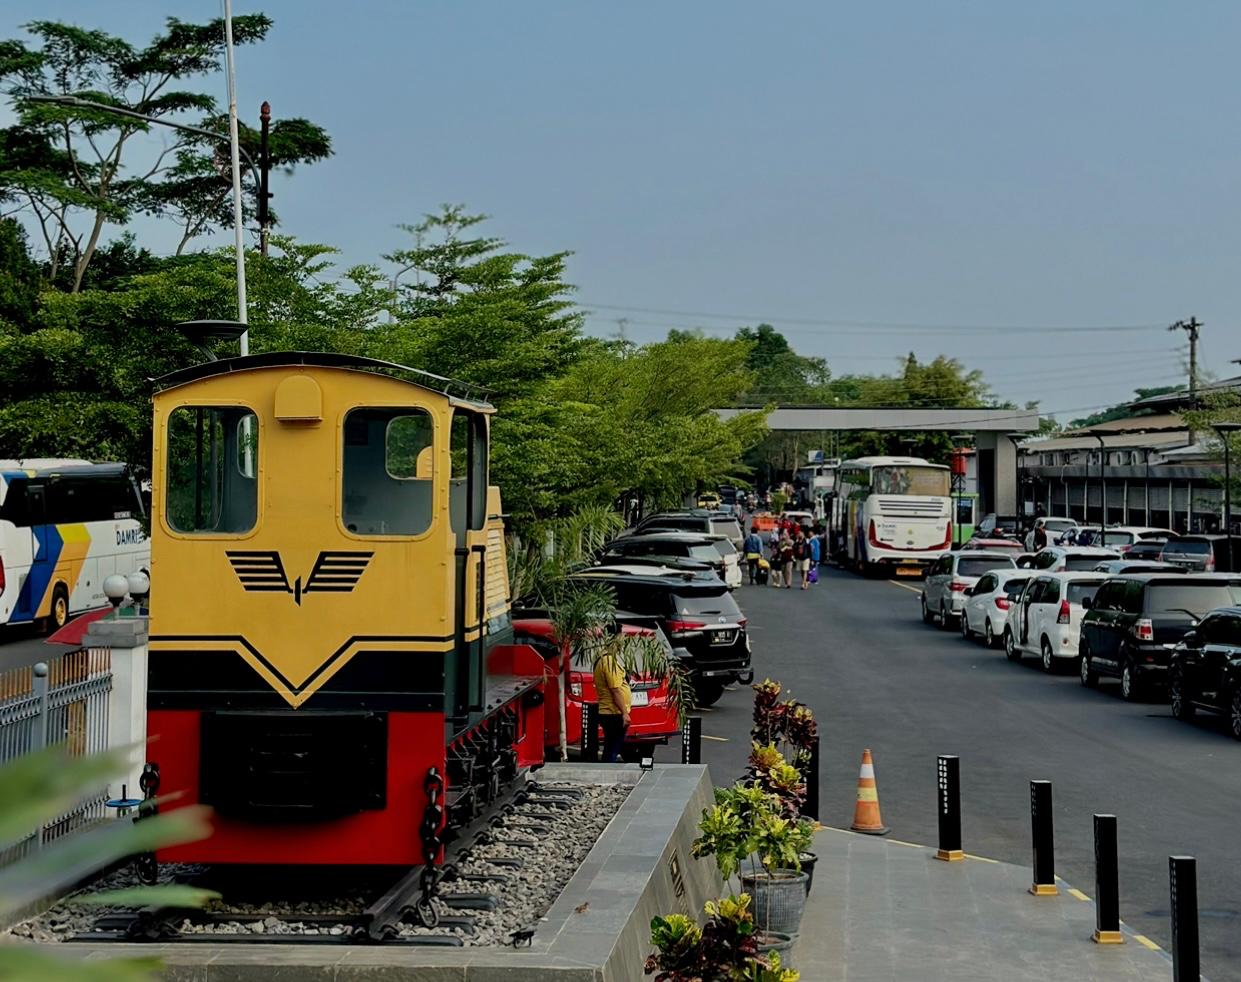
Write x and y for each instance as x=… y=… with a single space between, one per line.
x=857 y=652
x=24 y=645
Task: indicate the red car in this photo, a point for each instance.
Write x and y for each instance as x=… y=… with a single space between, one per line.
x=652 y=716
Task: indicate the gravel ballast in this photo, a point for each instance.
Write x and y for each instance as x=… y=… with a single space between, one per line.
x=548 y=837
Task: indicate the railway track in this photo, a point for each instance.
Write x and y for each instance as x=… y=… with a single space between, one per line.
x=518 y=819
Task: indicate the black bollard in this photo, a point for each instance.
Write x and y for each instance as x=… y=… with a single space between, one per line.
x=1183 y=884
x=949 y=809
x=1042 y=833
x=811 y=808
x=590 y=732
x=691 y=740
x=1106 y=882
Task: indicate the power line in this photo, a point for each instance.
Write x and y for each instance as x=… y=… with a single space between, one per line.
x=903 y=325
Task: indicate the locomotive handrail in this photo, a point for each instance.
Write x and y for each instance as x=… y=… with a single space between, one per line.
x=323 y=359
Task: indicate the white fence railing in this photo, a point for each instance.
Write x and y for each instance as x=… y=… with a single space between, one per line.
x=61 y=701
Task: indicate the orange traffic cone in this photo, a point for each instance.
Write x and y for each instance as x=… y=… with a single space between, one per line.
x=866 y=814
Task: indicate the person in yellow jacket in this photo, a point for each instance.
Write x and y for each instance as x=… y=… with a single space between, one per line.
x=612 y=692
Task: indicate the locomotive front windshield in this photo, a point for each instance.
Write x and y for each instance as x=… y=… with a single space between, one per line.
x=389 y=469
x=212 y=457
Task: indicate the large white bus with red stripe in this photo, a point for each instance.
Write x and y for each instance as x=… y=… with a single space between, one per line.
x=65 y=525
x=890 y=515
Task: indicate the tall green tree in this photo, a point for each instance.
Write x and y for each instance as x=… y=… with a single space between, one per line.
x=75 y=170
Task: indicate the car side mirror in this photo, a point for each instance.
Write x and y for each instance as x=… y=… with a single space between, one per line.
x=1087 y=603
x=969 y=591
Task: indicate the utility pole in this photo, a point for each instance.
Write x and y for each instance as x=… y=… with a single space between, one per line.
x=1191 y=328
x=264 y=170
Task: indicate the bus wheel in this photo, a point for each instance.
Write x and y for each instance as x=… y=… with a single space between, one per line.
x=59 y=615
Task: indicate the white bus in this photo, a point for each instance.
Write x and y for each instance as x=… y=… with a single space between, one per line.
x=891 y=514
x=65 y=525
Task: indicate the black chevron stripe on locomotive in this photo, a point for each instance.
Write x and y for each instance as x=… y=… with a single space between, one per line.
x=262 y=571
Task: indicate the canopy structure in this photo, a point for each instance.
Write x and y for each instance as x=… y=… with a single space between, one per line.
x=993 y=432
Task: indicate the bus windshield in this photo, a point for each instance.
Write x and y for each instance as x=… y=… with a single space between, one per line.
x=903 y=479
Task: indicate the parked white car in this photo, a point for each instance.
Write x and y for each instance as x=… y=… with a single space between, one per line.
x=1123 y=537
x=1055 y=525
x=943 y=590
x=1061 y=559
x=1047 y=618
x=988 y=603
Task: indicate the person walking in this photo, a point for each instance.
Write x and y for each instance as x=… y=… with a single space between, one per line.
x=752 y=547
x=785 y=553
x=612 y=691
x=816 y=554
x=1039 y=536
x=801 y=556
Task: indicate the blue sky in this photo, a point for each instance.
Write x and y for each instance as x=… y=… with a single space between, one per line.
x=840 y=170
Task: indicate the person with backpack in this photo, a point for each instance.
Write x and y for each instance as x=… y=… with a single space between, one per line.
x=752 y=548
x=816 y=554
x=801 y=556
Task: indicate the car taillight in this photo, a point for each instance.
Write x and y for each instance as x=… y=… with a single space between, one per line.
x=741 y=622
x=1063 y=616
x=680 y=626
x=873 y=535
x=1210 y=566
x=1123 y=549
x=956 y=586
x=947 y=543
x=1144 y=630
x=1003 y=603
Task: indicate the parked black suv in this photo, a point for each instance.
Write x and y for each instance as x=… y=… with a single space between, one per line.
x=686 y=545
x=1133 y=622
x=1205 y=672
x=698 y=615
x=1203 y=553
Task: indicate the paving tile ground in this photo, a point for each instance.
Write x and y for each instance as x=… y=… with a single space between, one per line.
x=883 y=911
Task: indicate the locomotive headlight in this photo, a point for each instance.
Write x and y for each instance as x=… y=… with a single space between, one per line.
x=575 y=688
x=115 y=587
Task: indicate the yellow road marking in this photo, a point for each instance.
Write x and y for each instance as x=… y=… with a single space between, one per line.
x=1078 y=894
x=707 y=736
x=1143 y=940
x=906 y=586
x=902 y=842
x=981 y=859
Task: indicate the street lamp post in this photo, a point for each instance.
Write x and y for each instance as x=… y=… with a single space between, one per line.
x=1223 y=429
x=1102 y=486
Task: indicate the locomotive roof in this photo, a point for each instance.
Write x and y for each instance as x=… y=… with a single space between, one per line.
x=465 y=391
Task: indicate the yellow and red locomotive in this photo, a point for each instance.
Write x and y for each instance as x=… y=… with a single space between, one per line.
x=331 y=666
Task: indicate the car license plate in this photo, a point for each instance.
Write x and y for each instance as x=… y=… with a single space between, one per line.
x=721 y=637
x=908 y=570
x=639 y=698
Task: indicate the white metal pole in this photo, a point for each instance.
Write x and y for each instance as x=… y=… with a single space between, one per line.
x=238 y=230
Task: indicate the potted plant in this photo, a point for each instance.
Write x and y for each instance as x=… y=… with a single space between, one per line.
x=746 y=825
x=778 y=883
x=726 y=949
x=785 y=783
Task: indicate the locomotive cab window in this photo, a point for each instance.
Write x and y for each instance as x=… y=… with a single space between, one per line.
x=212 y=456
x=387 y=482
x=468 y=500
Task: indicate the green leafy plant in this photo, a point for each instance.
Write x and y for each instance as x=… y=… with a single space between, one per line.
x=723 y=835
x=34 y=789
x=724 y=950
x=779 y=841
